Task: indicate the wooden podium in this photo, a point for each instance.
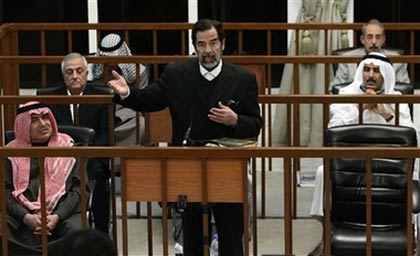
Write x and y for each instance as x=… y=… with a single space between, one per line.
x=201 y=180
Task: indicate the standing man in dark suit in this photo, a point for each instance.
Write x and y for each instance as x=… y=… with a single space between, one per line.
x=95 y=116
x=214 y=99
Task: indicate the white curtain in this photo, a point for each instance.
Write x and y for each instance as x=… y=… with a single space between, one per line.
x=311 y=76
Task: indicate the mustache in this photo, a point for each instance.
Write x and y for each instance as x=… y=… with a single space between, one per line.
x=370 y=79
x=44 y=128
x=208 y=54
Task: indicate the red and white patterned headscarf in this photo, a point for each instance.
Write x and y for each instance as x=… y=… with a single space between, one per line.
x=57 y=169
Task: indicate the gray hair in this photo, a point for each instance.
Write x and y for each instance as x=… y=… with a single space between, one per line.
x=375 y=22
x=72 y=56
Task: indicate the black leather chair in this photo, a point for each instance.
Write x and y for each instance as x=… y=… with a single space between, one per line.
x=82 y=136
x=348 y=191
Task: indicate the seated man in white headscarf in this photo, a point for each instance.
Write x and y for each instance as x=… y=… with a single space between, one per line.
x=35 y=126
x=374 y=75
x=125 y=125
x=113 y=45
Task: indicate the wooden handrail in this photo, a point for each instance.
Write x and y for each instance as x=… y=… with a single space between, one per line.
x=211 y=152
x=10 y=61
x=389 y=26
x=248 y=59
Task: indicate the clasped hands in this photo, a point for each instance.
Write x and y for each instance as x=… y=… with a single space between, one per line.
x=34 y=222
x=378 y=108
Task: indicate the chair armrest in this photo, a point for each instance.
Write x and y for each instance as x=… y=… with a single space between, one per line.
x=416 y=196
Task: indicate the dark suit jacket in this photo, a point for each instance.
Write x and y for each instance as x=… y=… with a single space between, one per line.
x=181 y=89
x=94 y=116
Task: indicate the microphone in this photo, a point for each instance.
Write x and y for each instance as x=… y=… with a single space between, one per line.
x=187 y=140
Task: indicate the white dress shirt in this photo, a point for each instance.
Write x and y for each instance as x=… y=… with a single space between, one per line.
x=210 y=75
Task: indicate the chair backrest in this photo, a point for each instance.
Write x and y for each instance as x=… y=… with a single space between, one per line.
x=348 y=186
x=49 y=90
x=260 y=73
x=342 y=51
x=82 y=136
x=404 y=88
x=158 y=127
x=9 y=136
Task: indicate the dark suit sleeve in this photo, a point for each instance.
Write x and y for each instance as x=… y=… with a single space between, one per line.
x=248 y=110
x=152 y=98
x=97 y=118
x=70 y=201
x=102 y=127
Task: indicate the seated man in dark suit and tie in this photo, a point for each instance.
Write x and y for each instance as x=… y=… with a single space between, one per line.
x=95 y=116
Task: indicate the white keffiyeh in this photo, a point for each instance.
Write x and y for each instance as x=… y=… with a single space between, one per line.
x=344 y=114
x=113 y=45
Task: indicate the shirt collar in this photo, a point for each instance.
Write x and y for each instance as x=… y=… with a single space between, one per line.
x=69 y=93
x=210 y=75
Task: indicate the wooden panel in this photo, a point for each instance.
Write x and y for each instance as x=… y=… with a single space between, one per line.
x=158 y=127
x=225 y=180
x=259 y=71
x=142 y=180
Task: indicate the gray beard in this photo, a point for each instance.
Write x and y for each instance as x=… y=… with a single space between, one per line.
x=207 y=65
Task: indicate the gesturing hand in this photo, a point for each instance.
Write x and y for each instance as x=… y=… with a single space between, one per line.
x=223 y=115
x=118 y=84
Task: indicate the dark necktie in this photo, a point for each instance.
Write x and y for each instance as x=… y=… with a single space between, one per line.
x=75 y=114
